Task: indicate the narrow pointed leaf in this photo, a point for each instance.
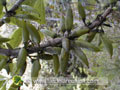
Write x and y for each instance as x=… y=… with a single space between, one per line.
x=108 y=45
x=33 y=32
x=80 y=54
x=87 y=45
x=56 y=63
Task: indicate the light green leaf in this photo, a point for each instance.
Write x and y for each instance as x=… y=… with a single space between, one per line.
x=26 y=16
x=56 y=63
x=81 y=11
x=87 y=45
x=107 y=44
x=48 y=33
x=33 y=32
x=80 y=54
x=16 y=38
x=39 y=6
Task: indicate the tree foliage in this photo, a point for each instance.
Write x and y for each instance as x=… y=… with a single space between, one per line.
x=59 y=31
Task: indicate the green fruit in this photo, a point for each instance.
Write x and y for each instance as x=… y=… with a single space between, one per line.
x=35 y=69
x=69 y=19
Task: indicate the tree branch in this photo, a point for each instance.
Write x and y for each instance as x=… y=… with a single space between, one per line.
x=11 y=12
x=53 y=42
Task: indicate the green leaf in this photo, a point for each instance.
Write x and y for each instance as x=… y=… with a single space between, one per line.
x=3 y=87
x=87 y=45
x=53 y=50
x=39 y=6
x=34 y=33
x=35 y=69
x=16 y=38
x=2 y=39
x=107 y=44
x=79 y=32
x=90 y=36
x=69 y=19
x=27 y=16
x=3 y=62
x=29 y=9
x=13 y=87
x=22 y=70
x=56 y=63
x=21 y=59
x=49 y=33
x=46 y=56
x=81 y=11
x=80 y=54
x=64 y=58
x=1 y=6
x=25 y=34
x=66 y=44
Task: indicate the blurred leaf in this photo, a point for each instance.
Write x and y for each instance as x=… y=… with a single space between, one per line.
x=26 y=16
x=29 y=9
x=49 y=33
x=53 y=50
x=35 y=69
x=46 y=56
x=66 y=44
x=1 y=6
x=22 y=70
x=21 y=59
x=16 y=38
x=81 y=11
x=64 y=58
x=80 y=54
x=56 y=63
x=34 y=33
x=2 y=39
x=39 y=6
x=3 y=62
x=90 y=36
x=87 y=45
x=108 y=44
